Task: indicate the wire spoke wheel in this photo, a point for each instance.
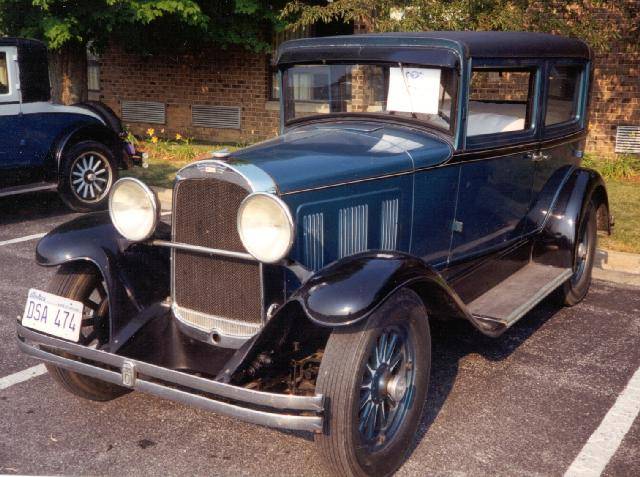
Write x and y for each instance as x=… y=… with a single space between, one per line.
x=91 y=176
x=385 y=391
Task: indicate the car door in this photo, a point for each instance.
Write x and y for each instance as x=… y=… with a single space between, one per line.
x=497 y=166
x=563 y=125
x=10 y=118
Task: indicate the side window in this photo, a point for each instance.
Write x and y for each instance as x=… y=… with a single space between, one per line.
x=500 y=101
x=564 y=90
x=4 y=74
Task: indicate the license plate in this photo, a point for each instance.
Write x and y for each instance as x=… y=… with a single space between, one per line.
x=53 y=314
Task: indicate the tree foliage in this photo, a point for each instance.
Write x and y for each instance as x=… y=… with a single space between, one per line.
x=144 y=25
x=576 y=18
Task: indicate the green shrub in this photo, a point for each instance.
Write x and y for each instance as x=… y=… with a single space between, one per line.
x=621 y=166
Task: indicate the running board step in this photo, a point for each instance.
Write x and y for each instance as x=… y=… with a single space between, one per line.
x=26 y=188
x=513 y=298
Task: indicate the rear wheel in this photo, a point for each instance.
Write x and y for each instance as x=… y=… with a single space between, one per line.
x=88 y=172
x=375 y=379
x=576 y=288
x=82 y=283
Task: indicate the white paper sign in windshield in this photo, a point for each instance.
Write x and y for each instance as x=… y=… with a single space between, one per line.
x=414 y=90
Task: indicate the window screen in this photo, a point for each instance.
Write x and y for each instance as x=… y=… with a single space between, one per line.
x=499 y=101
x=4 y=74
x=562 y=100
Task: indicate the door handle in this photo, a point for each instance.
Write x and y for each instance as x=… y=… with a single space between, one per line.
x=538 y=156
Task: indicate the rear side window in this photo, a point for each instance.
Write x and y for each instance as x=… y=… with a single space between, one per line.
x=562 y=100
x=500 y=101
x=4 y=74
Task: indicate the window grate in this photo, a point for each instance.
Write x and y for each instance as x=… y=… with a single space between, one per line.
x=143 y=112
x=628 y=139
x=219 y=117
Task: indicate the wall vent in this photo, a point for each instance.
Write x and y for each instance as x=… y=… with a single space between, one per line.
x=389 y=225
x=219 y=117
x=313 y=230
x=143 y=112
x=353 y=230
x=628 y=139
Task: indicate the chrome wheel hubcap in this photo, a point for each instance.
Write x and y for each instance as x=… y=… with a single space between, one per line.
x=91 y=177
x=386 y=387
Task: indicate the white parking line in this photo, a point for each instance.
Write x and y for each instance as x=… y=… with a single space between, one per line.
x=606 y=439
x=22 y=376
x=26 y=238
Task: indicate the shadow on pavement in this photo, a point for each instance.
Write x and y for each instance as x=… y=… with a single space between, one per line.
x=41 y=205
x=452 y=341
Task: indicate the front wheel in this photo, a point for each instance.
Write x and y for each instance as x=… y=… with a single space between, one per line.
x=375 y=379
x=82 y=283
x=88 y=171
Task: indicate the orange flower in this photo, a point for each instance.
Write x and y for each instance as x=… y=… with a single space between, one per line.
x=151 y=132
x=154 y=139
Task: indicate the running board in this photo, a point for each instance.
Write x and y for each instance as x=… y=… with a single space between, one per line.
x=24 y=189
x=513 y=298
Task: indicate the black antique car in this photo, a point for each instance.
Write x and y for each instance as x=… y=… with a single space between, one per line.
x=75 y=149
x=417 y=177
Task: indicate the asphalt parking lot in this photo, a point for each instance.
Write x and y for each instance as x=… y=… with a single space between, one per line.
x=524 y=404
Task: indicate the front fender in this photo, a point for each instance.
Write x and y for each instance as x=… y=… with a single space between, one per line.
x=135 y=275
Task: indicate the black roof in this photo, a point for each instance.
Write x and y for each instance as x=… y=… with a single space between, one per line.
x=475 y=44
x=13 y=41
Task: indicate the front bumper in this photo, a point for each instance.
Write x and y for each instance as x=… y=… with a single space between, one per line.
x=302 y=413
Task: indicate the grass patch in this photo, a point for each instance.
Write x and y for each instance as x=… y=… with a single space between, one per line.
x=624 y=201
x=168 y=157
x=621 y=166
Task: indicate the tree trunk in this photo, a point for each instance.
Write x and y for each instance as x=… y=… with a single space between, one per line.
x=68 y=74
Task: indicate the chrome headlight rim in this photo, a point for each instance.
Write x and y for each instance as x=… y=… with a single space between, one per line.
x=153 y=200
x=287 y=214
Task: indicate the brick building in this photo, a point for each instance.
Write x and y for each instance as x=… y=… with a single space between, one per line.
x=231 y=95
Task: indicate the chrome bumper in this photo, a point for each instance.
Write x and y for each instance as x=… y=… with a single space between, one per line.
x=267 y=409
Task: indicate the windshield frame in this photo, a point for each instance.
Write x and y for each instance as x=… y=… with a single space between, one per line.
x=384 y=117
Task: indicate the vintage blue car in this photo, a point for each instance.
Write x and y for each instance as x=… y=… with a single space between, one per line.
x=43 y=146
x=418 y=177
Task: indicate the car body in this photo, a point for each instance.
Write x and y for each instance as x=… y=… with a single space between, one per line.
x=40 y=139
x=417 y=176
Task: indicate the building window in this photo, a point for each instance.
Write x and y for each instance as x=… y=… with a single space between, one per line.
x=93 y=72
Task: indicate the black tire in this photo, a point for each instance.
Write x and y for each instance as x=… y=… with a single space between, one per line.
x=81 y=282
x=87 y=173
x=345 y=445
x=576 y=288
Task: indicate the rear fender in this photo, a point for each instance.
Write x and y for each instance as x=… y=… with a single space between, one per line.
x=89 y=132
x=135 y=275
x=557 y=240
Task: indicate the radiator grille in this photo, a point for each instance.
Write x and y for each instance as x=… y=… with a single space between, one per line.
x=220 y=117
x=143 y=112
x=205 y=215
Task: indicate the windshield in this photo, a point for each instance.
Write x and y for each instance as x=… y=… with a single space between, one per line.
x=426 y=94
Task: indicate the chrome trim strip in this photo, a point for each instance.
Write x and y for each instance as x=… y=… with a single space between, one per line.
x=258 y=398
x=203 y=250
x=35 y=187
x=257 y=179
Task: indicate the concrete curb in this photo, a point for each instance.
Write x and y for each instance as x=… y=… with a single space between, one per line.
x=607 y=260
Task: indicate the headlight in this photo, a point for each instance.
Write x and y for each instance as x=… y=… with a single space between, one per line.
x=134 y=209
x=265 y=227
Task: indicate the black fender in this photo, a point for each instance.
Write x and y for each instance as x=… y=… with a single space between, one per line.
x=344 y=294
x=559 y=231
x=93 y=131
x=136 y=275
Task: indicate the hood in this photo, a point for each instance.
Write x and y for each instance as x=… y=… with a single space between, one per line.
x=325 y=154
